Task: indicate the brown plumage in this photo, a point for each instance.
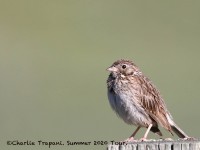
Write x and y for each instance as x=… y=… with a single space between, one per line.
x=137 y=101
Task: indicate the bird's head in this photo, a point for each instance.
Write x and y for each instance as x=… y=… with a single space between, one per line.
x=123 y=68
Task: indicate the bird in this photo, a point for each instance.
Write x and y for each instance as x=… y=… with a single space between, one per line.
x=137 y=101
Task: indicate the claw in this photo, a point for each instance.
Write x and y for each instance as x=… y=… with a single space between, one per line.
x=130 y=139
x=143 y=139
x=189 y=139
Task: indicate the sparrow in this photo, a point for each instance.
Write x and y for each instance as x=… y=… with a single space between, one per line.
x=137 y=101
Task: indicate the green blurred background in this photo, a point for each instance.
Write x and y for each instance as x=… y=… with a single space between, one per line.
x=53 y=56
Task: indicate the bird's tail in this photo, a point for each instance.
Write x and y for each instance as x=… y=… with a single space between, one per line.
x=180 y=133
x=156 y=130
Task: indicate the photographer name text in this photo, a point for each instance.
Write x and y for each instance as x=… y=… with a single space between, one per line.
x=60 y=143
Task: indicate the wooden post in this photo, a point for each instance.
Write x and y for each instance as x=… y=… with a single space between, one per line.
x=158 y=145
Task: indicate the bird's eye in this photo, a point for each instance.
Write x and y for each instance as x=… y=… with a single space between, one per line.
x=123 y=66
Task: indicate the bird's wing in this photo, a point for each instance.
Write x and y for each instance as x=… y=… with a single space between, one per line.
x=150 y=99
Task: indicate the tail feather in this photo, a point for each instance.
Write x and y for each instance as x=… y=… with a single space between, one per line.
x=156 y=130
x=178 y=131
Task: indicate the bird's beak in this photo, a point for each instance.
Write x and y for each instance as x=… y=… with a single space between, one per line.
x=112 y=69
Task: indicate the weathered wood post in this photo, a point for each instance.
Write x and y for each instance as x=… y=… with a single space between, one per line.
x=158 y=145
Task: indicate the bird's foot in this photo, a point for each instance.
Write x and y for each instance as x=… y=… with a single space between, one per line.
x=189 y=139
x=130 y=139
x=143 y=139
x=168 y=139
